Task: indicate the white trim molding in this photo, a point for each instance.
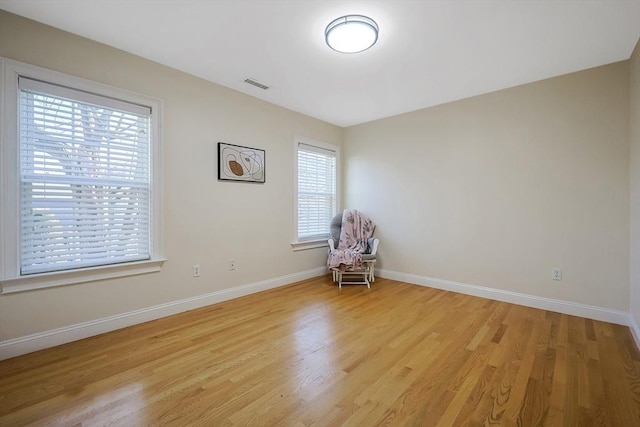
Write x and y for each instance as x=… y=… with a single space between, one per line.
x=309 y=244
x=301 y=244
x=635 y=329
x=566 y=307
x=62 y=278
x=30 y=343
x=11 y=277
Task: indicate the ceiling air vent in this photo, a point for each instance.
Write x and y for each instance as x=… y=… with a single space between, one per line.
x=256 y=83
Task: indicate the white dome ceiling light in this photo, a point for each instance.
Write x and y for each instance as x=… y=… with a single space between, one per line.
x=351 y=33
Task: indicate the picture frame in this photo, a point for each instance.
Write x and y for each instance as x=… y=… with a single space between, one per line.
x=241 y=164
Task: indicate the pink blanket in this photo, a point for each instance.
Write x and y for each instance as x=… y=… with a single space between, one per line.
x=356 y=230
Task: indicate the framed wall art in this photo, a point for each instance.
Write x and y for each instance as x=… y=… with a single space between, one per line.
x=237 y=163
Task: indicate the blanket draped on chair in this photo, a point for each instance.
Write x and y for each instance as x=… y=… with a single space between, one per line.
x=354 y=234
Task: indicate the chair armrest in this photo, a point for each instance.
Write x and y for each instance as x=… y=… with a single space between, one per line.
x=331 y=247
x=373 y=244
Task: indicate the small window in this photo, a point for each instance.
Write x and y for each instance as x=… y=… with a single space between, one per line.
x=316 y=190
x=85 y=186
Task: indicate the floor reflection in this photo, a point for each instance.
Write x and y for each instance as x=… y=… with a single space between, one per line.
x=314 y=336
x=122 y=406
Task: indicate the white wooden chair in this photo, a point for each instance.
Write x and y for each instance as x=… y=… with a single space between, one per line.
x=366 y=273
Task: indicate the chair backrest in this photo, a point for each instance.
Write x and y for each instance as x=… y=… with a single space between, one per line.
x=336 y=226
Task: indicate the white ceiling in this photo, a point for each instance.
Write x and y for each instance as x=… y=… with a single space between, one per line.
x=428 y=52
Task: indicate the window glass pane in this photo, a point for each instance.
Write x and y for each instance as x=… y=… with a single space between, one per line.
x=84 y=183
x=316 y=191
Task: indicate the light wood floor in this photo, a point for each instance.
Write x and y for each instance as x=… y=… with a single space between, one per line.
x=310 y=354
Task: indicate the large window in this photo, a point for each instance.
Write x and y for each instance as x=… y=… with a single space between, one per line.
x=84 y=181
x=317 y=184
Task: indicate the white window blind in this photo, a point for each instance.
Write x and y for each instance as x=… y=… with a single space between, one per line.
x=85 y=179
x=317 y=196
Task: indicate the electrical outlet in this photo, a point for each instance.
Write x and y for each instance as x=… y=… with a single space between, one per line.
x=196 y=271
x=556 y=273
x=232 y=265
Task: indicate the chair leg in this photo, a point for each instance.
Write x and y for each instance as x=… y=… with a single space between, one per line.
x=365 y=274
x=370 y=271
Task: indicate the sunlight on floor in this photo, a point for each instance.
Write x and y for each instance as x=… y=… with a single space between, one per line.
x=314 y=337
x=124 y=405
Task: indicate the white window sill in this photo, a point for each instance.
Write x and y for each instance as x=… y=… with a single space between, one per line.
x=309 y=244
x=61 y=278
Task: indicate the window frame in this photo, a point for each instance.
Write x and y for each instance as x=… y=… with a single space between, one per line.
x=11 y=279
x=301 y=244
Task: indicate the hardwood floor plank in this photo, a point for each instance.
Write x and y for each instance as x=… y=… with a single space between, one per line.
x=309 y=354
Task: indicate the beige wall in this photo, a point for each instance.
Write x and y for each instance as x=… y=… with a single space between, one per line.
x=498 y=189
x=634 y=73
x=206 y=222
x=494 y=190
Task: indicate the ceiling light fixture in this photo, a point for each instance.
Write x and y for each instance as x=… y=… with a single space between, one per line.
x=351 y=33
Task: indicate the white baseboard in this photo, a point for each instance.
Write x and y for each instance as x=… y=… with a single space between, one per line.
x=54 y=337
x=560 y=306
x=635 y=330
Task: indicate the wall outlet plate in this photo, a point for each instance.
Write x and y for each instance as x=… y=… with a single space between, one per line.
x=556 y=273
